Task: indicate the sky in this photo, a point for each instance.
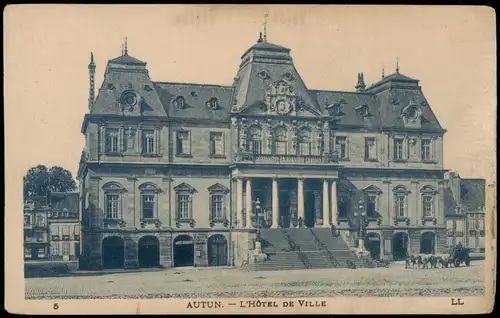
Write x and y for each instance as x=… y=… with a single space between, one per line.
x=451 y=50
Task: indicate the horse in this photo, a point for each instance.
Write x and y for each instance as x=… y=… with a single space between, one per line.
x=425 y=259
x=410 y=261
x=443 y=259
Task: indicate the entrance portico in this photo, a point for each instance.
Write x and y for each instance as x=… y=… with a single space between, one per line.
x=287 y=199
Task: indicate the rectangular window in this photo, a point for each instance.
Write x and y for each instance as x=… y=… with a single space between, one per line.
x=426 y=150
x=341 y=147
x=65 y=249
x=76 y=230
x=400 y=206
x=148 y=141
x=183 y=204
x=112 y=206
x=280 y=147
x=39 y=220
x=216 y=144
x=27 y=219
x=65 y=230
x=427 y=206
x=371 y=206
x=148 y=206
x=398 y=149
x=255 y=147
x=183 y=143
x=54 y=248
x=39 y=237
x=305 y=148
x=217 y=207
x=112 y=140
x=370 y=148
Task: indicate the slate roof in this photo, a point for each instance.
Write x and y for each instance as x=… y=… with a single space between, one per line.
x=472 y=193
x=450 y=203
x=384 y=100
x=61 y=201
x=127 y=59
x=195 y=97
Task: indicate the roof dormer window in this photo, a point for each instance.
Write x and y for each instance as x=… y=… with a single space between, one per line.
x=363 y=110
x=179 y=102
x=213 y=103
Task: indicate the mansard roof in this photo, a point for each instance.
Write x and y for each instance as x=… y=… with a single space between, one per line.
x=195 y=98
x=263 y=65
x=472 y=192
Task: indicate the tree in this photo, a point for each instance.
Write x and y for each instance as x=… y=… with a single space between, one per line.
x=40 y=181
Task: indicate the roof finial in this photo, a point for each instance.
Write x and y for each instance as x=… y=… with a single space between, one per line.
x=383 y=75
x=397 y=65
x=265 y=27
x=260 y=38
x=91 y=58
x=125 y=52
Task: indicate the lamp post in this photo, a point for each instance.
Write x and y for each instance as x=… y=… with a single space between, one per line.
x=360 y=217
x=258 y=214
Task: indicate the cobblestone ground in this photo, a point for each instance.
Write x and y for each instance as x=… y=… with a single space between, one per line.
x=212 y=282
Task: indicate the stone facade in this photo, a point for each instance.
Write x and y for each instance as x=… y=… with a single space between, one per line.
x=177 y=174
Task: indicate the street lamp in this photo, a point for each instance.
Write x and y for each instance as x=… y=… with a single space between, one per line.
x=360 y=217
x=258 y=214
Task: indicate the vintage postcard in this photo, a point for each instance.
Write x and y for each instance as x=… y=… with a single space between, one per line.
x=225 y=159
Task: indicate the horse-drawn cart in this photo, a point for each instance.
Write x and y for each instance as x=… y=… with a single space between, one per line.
x=460 y=255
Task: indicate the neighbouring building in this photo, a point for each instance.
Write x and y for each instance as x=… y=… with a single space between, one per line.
x=64 y=226
x=465 y=210
x=36 y=238
x=178 y=174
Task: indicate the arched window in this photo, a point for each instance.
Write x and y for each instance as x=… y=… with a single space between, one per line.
x=113 y=192
x=149 y=201
x=305 y=142
x=280 y=141
x=255 y=140
x=400 y=201
x=428 y=195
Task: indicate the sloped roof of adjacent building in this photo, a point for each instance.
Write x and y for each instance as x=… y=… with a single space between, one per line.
x=62 y=201
x=472 y=193
x=450 y=204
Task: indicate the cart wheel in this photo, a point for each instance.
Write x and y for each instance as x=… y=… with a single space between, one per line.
x=457 y=263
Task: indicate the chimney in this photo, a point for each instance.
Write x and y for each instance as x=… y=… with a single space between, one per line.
x=92 y=81
x=454 y=184
x=360 y=86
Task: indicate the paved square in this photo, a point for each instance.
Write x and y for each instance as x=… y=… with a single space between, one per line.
x=395 y=281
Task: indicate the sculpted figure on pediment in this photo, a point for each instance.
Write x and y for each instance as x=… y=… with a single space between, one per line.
x=281 y=98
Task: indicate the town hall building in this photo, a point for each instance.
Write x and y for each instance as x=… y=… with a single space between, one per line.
x=184 y=174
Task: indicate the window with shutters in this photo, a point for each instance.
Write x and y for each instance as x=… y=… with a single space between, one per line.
x=183 y=143
x=217 y=144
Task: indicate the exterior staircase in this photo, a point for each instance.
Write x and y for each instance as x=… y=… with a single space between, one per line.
x=300 y=248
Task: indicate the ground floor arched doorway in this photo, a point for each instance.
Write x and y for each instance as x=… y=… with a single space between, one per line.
x=217 y=250
x=113 y=252
x=427 y=243
x=372 y=244
x=149 y=251
x=183 y=251
x=399 y=246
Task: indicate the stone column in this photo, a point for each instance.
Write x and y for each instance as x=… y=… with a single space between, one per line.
x=326 y=207
x=249 y=203
x=300 y=200
x=334 y=202
x=275 y=204
x=239 y=202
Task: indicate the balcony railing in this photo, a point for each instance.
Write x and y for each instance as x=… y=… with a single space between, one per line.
x=285 y=159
